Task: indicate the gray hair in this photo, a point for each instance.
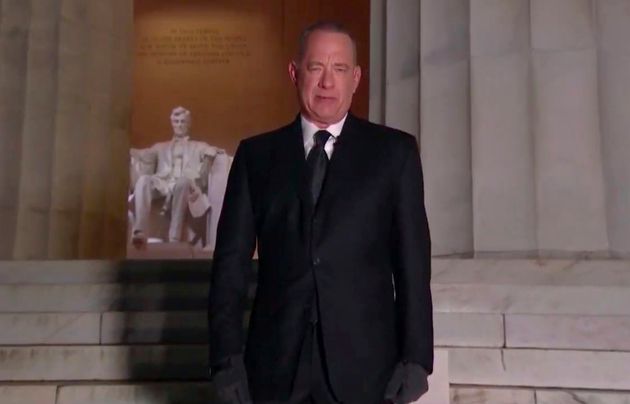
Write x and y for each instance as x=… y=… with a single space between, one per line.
x=326 y=26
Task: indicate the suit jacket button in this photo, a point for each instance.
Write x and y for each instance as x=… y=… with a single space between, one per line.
x=316 y=261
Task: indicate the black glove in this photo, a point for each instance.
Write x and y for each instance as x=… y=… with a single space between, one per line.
x=230 y=381
x=407 y=384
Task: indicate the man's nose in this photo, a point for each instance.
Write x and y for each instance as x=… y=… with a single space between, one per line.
x=326 y=81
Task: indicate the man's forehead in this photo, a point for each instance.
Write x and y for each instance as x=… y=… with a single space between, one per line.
x=334 y=43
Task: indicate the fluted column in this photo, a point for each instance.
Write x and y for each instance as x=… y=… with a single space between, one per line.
x=14 y=23
x=566 y=122
x=402 y=76
x=613 y=22
x=445 y=123
x=502 y=148
x=65 y=173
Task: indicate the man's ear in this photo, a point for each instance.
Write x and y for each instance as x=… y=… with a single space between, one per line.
x=293 y=72
x=356 y=77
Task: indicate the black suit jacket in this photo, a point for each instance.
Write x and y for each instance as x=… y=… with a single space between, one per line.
x=364 y=248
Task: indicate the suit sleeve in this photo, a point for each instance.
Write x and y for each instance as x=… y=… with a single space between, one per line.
x=232 y=264
x=412 y=263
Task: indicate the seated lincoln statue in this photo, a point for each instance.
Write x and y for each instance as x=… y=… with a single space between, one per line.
x=179 y=170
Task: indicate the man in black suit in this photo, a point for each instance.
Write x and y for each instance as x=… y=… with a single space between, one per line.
x=335 y=206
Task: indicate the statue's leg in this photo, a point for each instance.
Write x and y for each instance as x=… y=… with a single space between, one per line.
x=179 y=208
x=142 y=199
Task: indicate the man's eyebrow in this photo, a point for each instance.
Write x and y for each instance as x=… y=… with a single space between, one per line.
x=341 y=64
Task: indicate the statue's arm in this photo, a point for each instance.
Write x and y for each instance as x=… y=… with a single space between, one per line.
x=147 y=156
x=210 y=151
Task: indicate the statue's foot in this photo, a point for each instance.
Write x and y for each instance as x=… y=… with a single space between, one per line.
x=139 y=240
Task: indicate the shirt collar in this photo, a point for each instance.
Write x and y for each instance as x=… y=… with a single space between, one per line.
x=309 y=128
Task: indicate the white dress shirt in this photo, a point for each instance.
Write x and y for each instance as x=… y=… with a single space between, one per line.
x=309 y=129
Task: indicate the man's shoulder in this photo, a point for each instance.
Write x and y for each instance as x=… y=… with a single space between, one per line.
x=269 y=138
x=384 y=135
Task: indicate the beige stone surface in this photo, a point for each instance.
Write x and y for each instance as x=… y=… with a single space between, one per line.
x=402 y=70
x=155 y=327
x=504 y=200
x=488 y=395
x=530 y=272
x=613 y=23
x=48 y=329
x=189 y=393
x=439 y=392
x=445 y=124
x=541 y=368
x=562 y=24
x=566 y=112
x=499 y=27
x=519 y=299
x=568 y=332
x=102 y=297
x=581 y=397
x=468 y=329
x=62 y=130
x=28 y=394
x=178 y=362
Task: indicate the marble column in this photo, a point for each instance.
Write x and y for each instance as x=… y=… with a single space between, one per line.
x=524 y=122
x=402 y=76
x=67 y=69
x=502 y=147
x=569 y=170
x=613 y=22
x=445 y=123
x=14 y=20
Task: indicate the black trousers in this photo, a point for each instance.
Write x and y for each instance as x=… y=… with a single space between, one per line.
x=311 y=384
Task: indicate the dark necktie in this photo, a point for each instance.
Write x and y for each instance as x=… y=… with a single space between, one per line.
x=317 y=161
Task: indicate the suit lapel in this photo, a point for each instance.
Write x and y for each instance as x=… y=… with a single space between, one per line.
x=288 y=172
x=344 y=163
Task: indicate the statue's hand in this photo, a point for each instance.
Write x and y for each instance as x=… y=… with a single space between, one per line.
x=194 y=193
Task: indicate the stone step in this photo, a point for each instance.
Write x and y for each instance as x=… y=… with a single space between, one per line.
x=146 y=393
x=156 y=393
x=167 y=392
x=203 y=393
x=490 y=395
x=476 y=271
x=27 y=394
x=90 y=272
x=540 y=368
x=610 y=333
x=532 y=272
x=485 y=395
x=111 y=363
x=447 y=297
x=105 y=297
x=190 y=327
x=467 y=366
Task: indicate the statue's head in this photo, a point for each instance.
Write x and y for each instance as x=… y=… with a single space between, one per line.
x=180 y=121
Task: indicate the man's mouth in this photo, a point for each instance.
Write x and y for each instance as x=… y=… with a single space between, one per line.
x=324 y=98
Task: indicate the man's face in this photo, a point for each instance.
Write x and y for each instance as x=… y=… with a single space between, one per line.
x=326 y=77
x=181 y=125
